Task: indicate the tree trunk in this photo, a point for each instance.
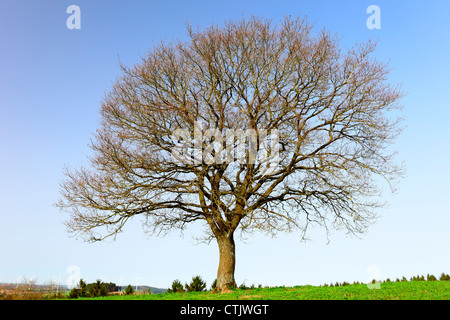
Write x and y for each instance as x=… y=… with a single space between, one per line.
x=227 y=262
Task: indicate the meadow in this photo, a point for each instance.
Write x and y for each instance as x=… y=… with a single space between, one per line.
x=410 y=290
x=416 y=288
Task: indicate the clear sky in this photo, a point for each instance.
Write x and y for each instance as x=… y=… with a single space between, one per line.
x=52 y=80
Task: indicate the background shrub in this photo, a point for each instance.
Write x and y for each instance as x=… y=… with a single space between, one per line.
x=197 y=284
x=430 y=277
x=97 y=289
x=80 y=291
x=444 y=277
x=213 y=284
x=176 y=287
x=129 y=290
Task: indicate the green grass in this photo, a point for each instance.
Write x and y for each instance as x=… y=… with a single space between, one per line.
x=411 y=290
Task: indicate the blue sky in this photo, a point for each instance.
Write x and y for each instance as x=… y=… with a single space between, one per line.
x=52 y=80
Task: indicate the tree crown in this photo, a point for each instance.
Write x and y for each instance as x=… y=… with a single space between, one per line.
x=328 y=111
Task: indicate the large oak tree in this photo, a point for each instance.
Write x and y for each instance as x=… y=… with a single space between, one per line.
x=334 y=114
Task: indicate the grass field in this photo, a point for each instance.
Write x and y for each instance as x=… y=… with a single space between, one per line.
x=411 y=290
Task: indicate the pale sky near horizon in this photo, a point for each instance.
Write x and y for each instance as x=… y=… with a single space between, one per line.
x=52 y=80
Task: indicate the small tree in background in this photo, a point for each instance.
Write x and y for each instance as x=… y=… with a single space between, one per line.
x=129 y=290
x=97 y=289
x=444 y=277
x=176 y=287
x=213 y=285
x=111 y=287
x=431 y=277
x=197 y=284
x=80 y=291
x=82 y=287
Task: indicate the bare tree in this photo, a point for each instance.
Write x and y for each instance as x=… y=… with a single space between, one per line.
x=334 y=115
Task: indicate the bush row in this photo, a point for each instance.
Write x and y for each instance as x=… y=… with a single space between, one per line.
x=197 y=283
x=428 y=277
x=96 y=289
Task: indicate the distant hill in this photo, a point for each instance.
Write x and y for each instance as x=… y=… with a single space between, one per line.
x=144 y=288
